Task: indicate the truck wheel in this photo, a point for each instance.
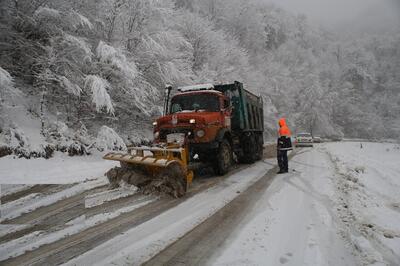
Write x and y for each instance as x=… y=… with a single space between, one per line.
x=250 y=150
x=260 y=147
x=224 y=158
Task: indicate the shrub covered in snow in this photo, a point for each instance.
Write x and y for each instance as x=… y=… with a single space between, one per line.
x=70 y=141
x=16 y=141
x=108 y=139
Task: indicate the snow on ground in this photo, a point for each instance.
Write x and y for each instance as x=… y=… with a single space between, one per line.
x=292 y=223
x=142 y=242
x=110 y=195
x=61 y=169
x=368 y=195
x=11 y=206
x=34 y=201
x=36 y=239
x=11 y=189
x=340 y=207
x=6 y=229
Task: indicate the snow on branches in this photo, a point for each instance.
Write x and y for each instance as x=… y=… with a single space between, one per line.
x=110 y=55
x=100 y=97
x=46 y=12
x=108 y=139
x=78 y=20
x=70 y=87
x=6 y=85
x=80 y=44
x=6 y=81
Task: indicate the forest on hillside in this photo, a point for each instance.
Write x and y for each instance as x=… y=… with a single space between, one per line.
x=78 y=68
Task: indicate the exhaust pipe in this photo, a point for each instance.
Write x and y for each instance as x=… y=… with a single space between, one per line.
x=168 y=89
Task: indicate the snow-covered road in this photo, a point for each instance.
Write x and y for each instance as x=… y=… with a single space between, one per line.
x=294 y=221
x=339 y=207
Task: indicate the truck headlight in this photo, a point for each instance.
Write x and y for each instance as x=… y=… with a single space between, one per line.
x=192 y=121
x=155 y=123
x=200 y=133
x=156 y=135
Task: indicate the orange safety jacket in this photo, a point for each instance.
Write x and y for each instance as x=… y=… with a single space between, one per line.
x=283 y=130
x=284 y=141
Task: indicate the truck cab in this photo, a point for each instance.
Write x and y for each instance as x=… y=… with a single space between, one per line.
x=200 y=114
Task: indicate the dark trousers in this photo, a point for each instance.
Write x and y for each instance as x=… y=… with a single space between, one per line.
x=283 y=161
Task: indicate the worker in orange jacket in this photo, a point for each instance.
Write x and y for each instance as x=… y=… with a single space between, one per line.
x=283 y=146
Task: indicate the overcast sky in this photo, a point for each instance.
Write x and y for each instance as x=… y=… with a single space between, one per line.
x=341 y=14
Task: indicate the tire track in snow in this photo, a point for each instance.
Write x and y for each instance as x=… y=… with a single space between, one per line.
x=39 y=238
x=74 y=245
x=54 y=217
x=26 y=191
x=195 y=247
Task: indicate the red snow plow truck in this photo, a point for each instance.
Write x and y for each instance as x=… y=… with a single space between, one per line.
x=201 y=124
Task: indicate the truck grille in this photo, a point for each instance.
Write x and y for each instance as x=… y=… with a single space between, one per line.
x=165 y=131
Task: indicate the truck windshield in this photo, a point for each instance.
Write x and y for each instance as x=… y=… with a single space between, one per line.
x=205 y=102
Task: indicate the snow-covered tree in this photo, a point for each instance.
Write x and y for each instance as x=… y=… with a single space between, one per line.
x=85 y=60
x=100 y=97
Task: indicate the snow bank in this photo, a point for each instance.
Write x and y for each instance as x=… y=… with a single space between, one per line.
x=60 y=169
x=368 y=198
x=108 y=139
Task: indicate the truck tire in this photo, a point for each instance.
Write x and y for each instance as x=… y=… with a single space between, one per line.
x=224 y=158
x=250 y=150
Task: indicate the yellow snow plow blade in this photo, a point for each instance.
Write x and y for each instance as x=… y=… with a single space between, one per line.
x=162 y=169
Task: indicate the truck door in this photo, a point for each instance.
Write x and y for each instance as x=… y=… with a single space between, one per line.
x=227 y=112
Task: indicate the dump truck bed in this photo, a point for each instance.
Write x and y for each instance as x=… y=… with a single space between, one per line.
x=247 y=107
